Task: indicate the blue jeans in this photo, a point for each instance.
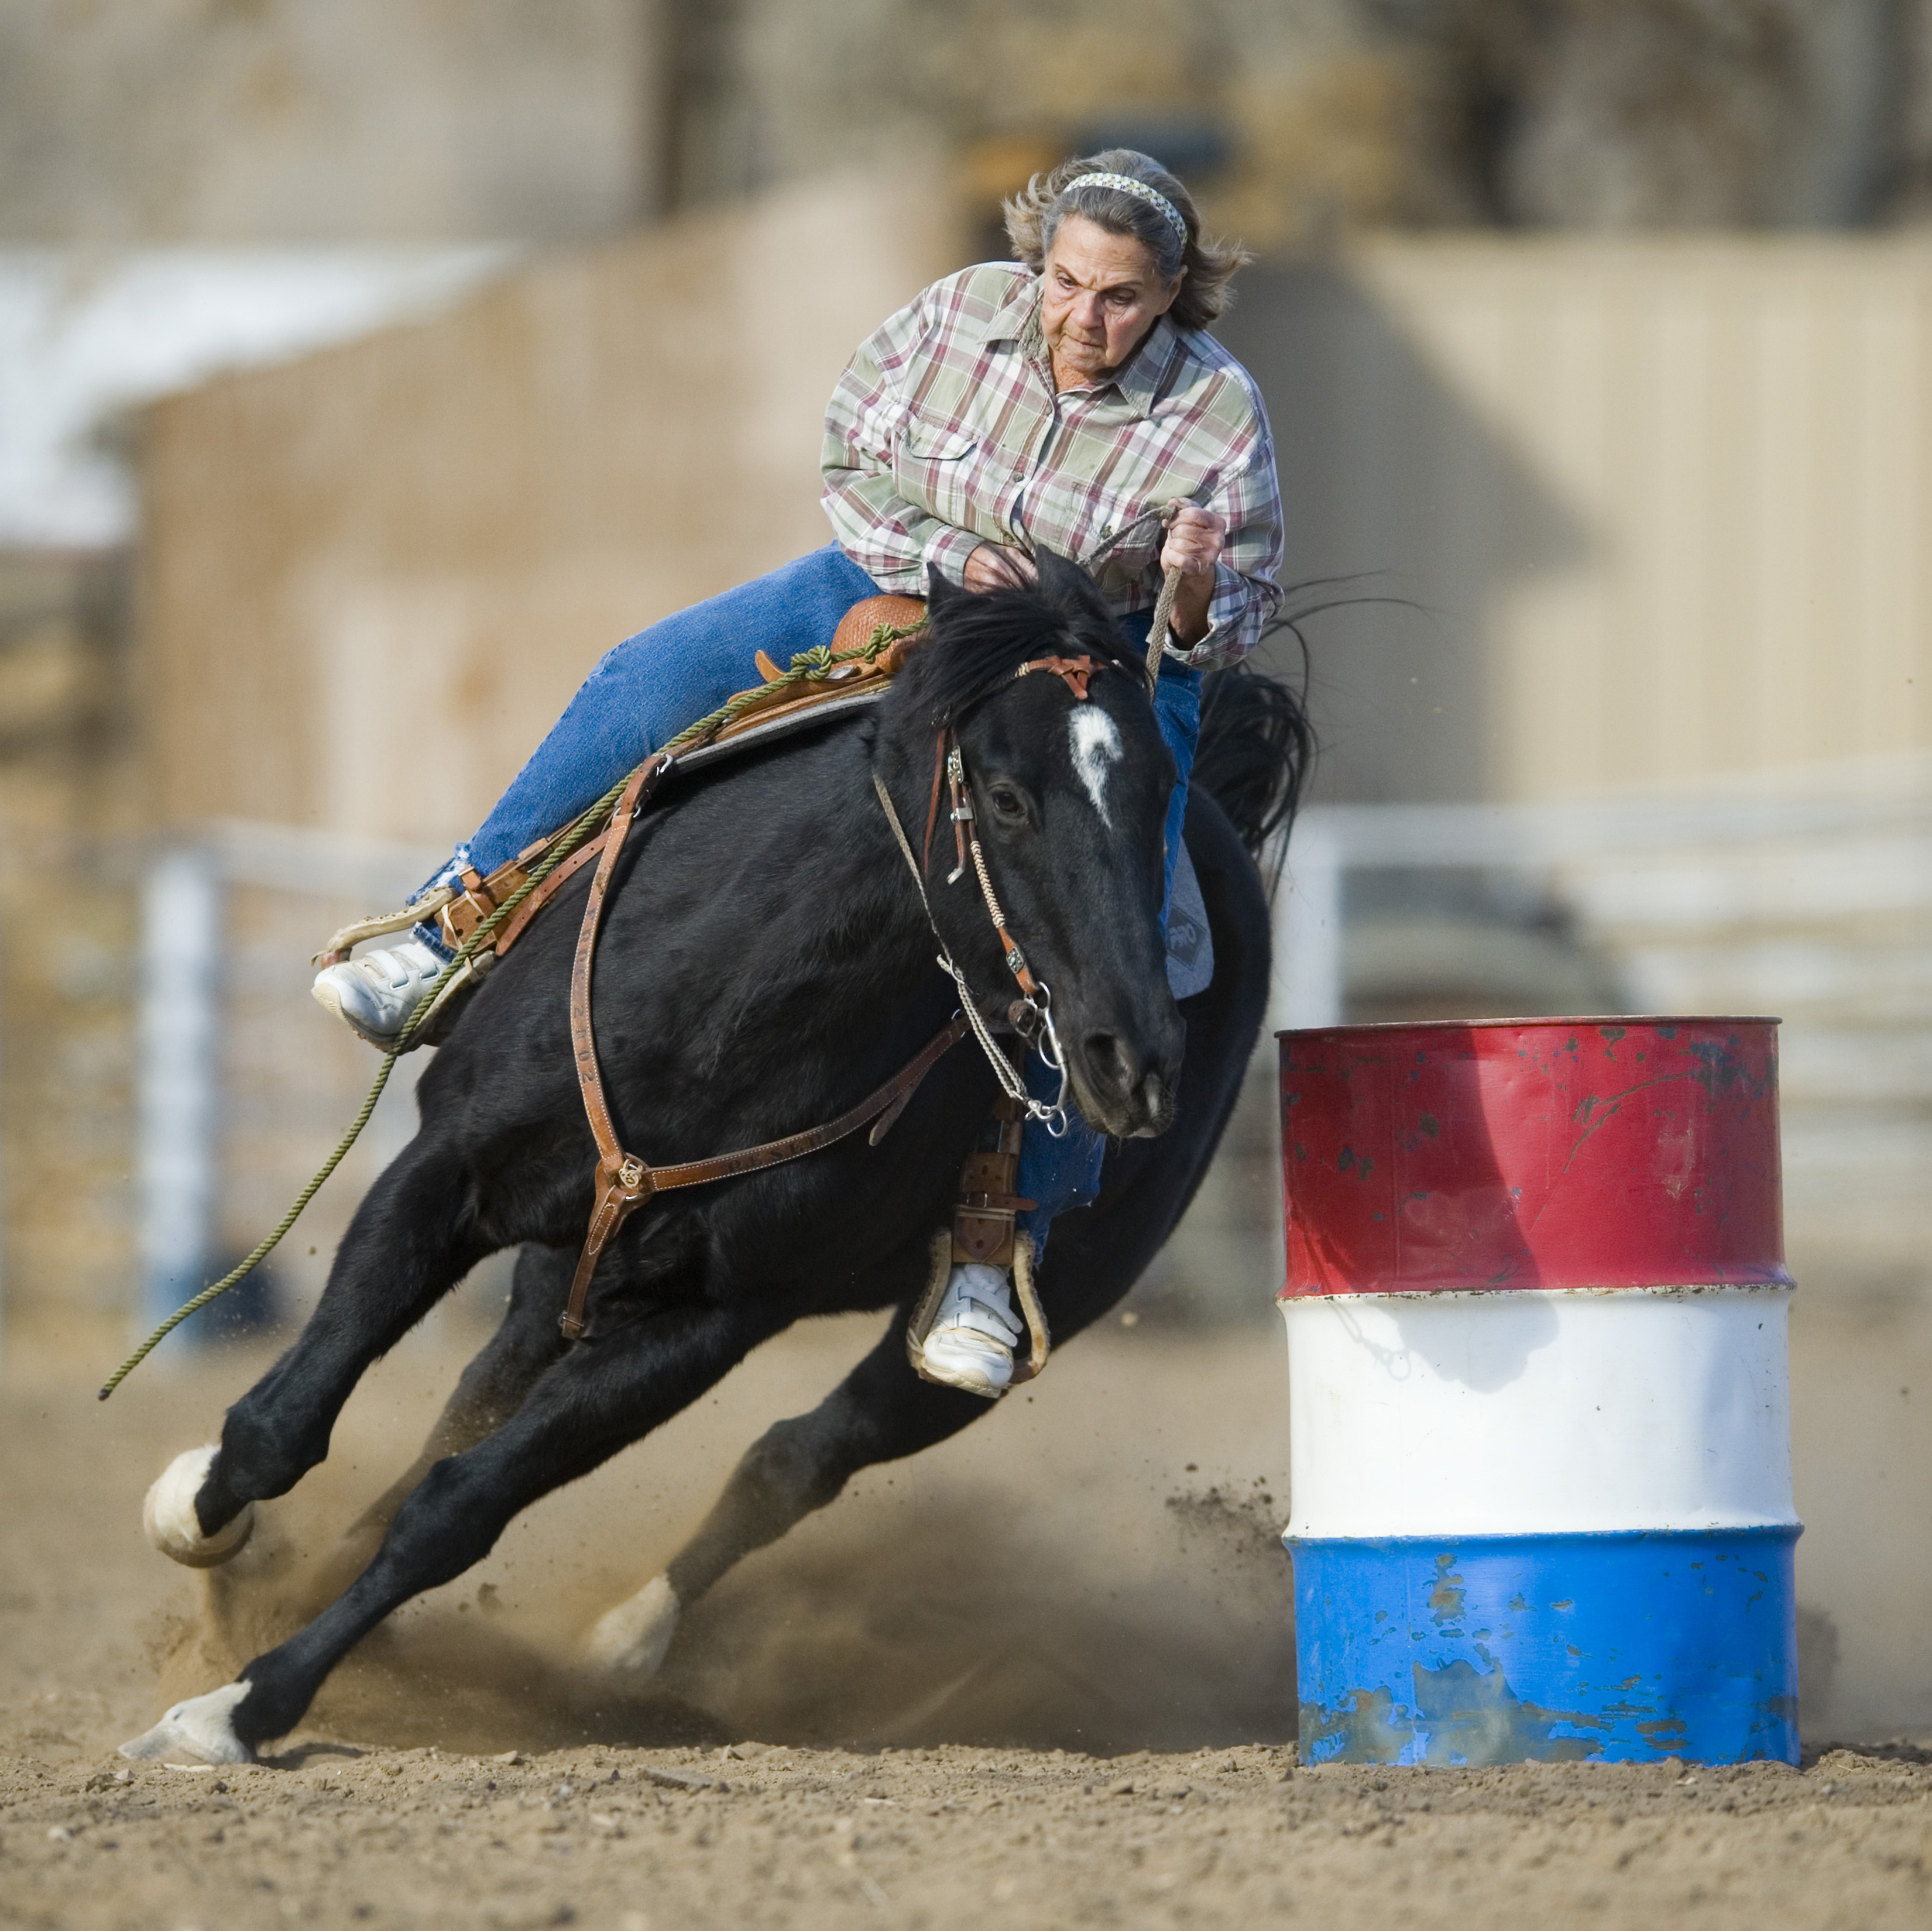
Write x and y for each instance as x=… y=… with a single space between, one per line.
x=652 y=686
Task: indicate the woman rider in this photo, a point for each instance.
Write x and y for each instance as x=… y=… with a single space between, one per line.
x=1069 y=398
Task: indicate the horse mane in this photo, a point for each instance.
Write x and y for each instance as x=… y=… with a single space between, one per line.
x=1256 y=751
x=980 y=637
x=1256 y=744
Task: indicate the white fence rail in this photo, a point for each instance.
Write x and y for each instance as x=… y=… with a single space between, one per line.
x=1812 y=901
x=185 y=909
x=1694 y=865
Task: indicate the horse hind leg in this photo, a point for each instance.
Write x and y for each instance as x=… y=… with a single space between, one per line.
x=493 y=1387
x=597 y=1400
x=880 y=1412
x=405 y=1248
x=169 y=1520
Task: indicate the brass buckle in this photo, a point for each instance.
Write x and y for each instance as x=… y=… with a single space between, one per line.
x=633 y=1180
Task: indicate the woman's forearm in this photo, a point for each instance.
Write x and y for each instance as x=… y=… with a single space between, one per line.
x=1190 y=621
x=1194 y=536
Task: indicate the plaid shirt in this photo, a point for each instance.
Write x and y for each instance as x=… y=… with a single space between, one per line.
x=945 y=431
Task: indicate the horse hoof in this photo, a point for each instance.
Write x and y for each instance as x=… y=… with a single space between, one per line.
x=630 y=1640
x=169 y=1517
x=202 y=1728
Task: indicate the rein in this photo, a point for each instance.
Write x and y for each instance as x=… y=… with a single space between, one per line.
x=882 y=626
x=624 y=1181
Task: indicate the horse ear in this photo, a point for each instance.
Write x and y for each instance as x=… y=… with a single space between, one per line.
x=1066 y=586
x=941 y=590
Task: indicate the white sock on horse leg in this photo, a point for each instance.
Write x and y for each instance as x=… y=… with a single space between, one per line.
x=168 y=1514
x=202 y=1728
x=632 y=1638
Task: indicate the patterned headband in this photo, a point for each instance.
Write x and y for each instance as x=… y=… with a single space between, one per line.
x=1126 y=183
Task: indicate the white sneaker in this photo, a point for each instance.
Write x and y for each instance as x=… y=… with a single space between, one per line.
x=374 y=995
x=970 y=1345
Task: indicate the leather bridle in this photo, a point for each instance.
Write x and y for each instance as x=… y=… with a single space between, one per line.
x=1031 y=1014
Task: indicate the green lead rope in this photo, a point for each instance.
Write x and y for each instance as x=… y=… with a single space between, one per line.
x=808 y=667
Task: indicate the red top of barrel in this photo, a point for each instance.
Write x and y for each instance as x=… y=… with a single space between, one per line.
x=1531 y=1153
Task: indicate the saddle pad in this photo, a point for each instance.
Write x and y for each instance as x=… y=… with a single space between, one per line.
x=1190 y=945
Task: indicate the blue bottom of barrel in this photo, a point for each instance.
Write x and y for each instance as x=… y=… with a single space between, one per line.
x=1504 y=1649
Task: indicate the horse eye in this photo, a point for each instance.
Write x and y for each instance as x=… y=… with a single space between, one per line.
x=1007 y=802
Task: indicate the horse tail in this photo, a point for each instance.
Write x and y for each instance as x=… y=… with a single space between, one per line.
x=1255 y=751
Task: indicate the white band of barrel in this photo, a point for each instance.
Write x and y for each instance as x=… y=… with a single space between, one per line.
x=1529 y=1411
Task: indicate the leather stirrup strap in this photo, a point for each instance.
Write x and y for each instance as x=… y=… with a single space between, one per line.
x=552 y=884
x=622 y=1180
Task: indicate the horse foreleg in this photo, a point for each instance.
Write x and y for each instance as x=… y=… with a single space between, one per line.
x=880 y=1412
x=406 y=1246
x=600 y=1397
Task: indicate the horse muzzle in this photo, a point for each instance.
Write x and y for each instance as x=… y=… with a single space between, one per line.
x=1124 y=1088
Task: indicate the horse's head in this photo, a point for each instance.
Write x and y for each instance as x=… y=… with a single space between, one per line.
x=1069 y=796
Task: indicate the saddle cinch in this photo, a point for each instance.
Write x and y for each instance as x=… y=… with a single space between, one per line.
x=867 y=649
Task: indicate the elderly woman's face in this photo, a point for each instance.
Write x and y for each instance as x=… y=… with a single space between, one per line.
x=1101 y=292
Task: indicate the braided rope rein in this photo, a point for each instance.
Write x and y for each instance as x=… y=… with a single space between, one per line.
x=1163 y=619
x=808 y=667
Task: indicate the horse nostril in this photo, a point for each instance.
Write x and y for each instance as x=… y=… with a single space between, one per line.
x=1114 y=1061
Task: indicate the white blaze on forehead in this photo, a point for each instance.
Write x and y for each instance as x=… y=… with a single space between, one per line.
x=1096 y=750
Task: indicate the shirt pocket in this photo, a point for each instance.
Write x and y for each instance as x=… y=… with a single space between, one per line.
x=934 y=466
x=1122 y=539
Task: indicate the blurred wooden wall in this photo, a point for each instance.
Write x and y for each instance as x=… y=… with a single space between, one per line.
x=1661 y=506
x=1657 y=507
x=373 y=577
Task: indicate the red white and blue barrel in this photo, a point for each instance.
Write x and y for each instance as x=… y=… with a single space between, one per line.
x=1539 y=1410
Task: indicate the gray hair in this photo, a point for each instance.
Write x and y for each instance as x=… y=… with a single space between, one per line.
x=1034 y=215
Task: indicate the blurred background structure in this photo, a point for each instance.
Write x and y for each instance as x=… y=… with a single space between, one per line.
x=366 y=370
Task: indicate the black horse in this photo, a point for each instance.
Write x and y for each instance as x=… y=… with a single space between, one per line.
x=766 y=959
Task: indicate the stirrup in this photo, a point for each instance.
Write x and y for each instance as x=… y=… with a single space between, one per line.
x=983 y=1230
x=1039 y=1338
x=337 y=951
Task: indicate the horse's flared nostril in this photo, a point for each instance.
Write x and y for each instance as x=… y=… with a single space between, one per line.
x=1136 y=1100
x=1115 y=1064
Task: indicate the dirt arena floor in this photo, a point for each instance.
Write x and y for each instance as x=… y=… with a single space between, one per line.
x=1042 y=1677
